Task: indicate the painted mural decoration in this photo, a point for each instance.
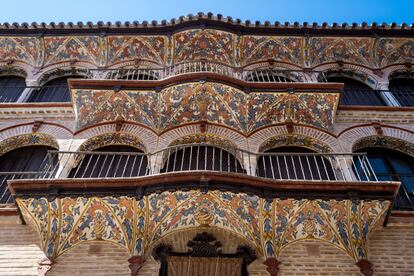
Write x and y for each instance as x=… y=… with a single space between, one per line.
x=394 y=50
x=212 y=102
x=205 y=44
x=138 y=224
x=24 y=49
x=25 y=140
x=126 y=48
x=294 y=140
x=262 y=48
x=353 y=50
x=66 y=48
x=114 y=138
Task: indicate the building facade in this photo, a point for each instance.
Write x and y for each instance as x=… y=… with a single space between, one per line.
x=206 y=146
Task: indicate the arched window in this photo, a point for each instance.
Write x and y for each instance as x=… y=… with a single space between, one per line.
x=200 y=157
x=294 y=163
x=56 y=90
x=11 y=88
x=26 y=159
x=403 y=91
x=357 y=93
x=391 y=165
x=110 y=161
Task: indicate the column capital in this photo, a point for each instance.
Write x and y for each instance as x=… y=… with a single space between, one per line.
x=135 y=264
x=272 y=266
x=365 y=267
x=43 y=266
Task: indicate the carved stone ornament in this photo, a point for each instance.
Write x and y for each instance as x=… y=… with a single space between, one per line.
x=44 y=265
x=204 y=245
x=365 y=267
x=135 y=264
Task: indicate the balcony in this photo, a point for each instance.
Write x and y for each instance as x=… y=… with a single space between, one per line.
x=289 y=173
x=268 y=75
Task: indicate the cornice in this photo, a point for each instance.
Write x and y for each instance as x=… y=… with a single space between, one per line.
x=210 y=21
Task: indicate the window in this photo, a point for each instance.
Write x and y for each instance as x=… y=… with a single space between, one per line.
x=56 y=90
x=26 y=159
x=403 y=91
x=357 y=93
x=266 y=76
x=110 y=161
x=390 y=165
x=11 y=88
x=200 y=157
x=294 y=163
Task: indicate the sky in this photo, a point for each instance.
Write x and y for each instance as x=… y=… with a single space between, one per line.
x=320 y=11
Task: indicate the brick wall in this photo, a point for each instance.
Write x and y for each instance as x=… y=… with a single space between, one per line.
x=316 y=258
x=19 y=251
x=95 y=259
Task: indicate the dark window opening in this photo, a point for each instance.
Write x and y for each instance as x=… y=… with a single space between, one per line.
x=111 y=161
x=27 y=159
x=11 y=88
x=56 y=90
x=391 y=165
x=357 y=93
x=403 y=91
x=201 y=158
x=284 y=165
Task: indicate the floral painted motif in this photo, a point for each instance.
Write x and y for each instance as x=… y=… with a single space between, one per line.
x=65 y=48
x=25 y=140
x=212 y=102
x=262 y=48
x=394 y=50
x=294 y=140
x=125 y=48
x=353 y=50
x=24 y=49
x=269 y=224
x=204 y=44
x=108 y=139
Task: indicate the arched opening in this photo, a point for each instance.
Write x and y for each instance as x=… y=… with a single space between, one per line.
x=392 y=165
x=403 y=90
x=11 y=88
x=25 y=162
x=200 y=157
x=56 y=90
x=357 y=93
x=295 y=163
x=110 y=161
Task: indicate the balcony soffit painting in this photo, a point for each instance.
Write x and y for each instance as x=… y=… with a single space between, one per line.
x=137 y=224
x=211 y=102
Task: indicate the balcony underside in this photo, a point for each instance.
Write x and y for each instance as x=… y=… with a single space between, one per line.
x=266 y=214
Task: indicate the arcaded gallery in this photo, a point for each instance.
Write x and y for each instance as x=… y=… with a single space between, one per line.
x=206 y=145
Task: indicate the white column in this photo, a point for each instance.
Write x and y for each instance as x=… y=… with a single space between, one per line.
x=386 y=95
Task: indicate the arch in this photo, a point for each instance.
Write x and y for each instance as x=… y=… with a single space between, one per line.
x=54 y=130
x=316 y=256
x=113 y=138
x=350 y=136
x=354 y=72
x=395 y=71
x=312 y=138
x=148 y=137
x=288 y=72
x=25 y=140
x=194 y=129
x=14 y=70
x=62 y=70
x=384 y=142
x=136 y=63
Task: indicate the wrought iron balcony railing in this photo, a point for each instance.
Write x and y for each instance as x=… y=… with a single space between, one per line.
x=199 y=157
x=258 y=75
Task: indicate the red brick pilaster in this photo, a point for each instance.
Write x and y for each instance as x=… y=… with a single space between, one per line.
x=272 y=266
x=135 y=264
x=44 y=265
x=365 y=267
